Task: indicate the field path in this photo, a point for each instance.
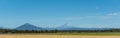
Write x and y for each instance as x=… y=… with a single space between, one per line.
x=55 y=36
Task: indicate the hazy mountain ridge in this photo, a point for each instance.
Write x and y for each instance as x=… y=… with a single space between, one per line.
x=28 y=26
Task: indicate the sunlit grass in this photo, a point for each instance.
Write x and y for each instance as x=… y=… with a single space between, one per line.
x=66 y=33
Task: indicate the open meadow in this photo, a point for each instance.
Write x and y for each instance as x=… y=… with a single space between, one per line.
x=55 y=36
x=62 y=35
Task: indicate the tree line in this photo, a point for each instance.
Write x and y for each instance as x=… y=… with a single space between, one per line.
x=2 y=31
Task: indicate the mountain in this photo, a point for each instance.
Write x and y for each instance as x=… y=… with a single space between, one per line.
x=70 y=28
x=28 y=26
x=66 y=27
x=77 y=28
x=49 y=28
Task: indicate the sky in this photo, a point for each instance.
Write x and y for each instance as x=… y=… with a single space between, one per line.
x=55 y=13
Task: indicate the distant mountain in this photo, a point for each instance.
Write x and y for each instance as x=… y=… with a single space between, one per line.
x=70 y=28
x=66 y=27
x=28 y=26
x=76 y=28
x=50 y=28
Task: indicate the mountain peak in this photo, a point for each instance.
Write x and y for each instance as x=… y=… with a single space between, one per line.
x=28 y=26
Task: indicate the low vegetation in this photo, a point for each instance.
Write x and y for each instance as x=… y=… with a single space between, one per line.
x=62 y=32
x=55 y=31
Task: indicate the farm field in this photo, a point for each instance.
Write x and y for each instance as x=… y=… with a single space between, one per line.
x=62 y=35
x=55 y=36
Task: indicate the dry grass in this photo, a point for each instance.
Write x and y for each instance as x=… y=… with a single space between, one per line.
x=54 y=36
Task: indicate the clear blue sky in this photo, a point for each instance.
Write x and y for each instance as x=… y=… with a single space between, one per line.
x=53 y=13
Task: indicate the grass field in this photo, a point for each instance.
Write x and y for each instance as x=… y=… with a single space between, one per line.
x=55 y=36
x=63 y=35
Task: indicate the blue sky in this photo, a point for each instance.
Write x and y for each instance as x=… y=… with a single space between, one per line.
x=54 y=13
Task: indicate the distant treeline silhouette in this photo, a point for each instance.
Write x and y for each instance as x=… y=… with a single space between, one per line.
x=2 y=31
